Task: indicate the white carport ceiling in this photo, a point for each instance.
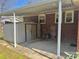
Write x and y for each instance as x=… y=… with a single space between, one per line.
x=37 y=6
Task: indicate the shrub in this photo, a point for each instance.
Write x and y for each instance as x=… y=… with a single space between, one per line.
x=71 y=56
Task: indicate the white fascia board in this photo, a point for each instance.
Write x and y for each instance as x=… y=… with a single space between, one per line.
x=10 y=18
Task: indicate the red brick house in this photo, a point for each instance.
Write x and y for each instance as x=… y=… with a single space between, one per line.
x=69 y=29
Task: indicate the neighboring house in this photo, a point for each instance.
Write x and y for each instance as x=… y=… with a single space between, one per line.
x=40 y=21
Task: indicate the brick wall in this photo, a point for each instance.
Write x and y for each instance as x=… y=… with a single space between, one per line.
x=31 y=19
x=69 y=31
x=78 y=33
x=50 y=26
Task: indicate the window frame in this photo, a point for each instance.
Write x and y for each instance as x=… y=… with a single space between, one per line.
x=72 y=16
x=43 y=15
x=56 y=18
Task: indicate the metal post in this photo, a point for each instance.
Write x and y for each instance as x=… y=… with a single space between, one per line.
x=59 y=28
x=14 y=29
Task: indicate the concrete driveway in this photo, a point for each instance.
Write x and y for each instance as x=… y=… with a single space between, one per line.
x=50 y=46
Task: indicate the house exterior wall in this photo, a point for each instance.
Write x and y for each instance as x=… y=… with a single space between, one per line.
x=31 y=19
x=9 y=33
x=78 y=33
x=50 y=26
x=31 y=28
x=69 y=30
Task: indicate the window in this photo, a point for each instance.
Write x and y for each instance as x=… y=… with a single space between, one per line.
x=56 y=17
x=69 y=17
x=42 y=19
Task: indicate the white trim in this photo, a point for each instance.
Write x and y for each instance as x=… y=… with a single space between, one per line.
x=56 y=17
x=70 y=11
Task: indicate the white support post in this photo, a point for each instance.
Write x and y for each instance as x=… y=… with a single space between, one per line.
x=14 y=29
x=59 y=28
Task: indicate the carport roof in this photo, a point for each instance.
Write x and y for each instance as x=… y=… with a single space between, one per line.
x=21 y=7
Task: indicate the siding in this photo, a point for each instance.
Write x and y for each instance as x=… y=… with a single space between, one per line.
x=9 y=33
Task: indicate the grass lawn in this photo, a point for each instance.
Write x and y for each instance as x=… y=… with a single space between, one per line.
x=6 y=53
x=1 y=34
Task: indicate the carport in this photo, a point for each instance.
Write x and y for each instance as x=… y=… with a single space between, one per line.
x=42 y=8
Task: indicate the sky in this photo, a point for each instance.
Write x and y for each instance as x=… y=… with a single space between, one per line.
x=13 y=4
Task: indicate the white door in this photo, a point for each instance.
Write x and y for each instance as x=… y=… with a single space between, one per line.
x=28 y=33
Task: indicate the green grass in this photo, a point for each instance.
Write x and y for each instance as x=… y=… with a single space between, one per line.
x=6 y=53
x=1 y=34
